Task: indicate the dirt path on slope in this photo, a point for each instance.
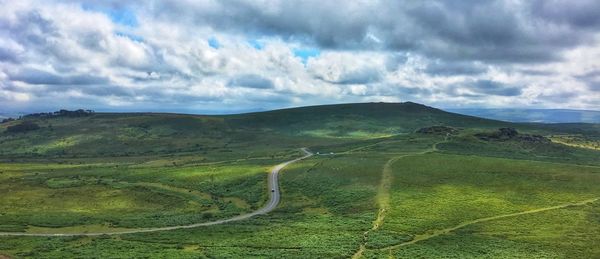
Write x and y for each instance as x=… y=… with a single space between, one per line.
x=383 y=194
x=383 y=201
x=439 y=232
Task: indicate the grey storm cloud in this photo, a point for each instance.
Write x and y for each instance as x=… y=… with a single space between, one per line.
x=251 y=81
x=591 y=79
x=536 y=72
x=454 y=68
x=393 y=61
x=324 y=22
x=31 y=25
x=396 y=90
x=8 y=55
x=107 y=90
x=409 y=91
x=94 y=91
x=452 y=30
x=580 y=14
x=364 y=75
x=594 y=85
x=488 y=87
x=557 y=97
x=482 y=88
x=39 y=77
x=589 y=75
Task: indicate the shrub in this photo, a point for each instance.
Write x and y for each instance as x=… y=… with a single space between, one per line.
x=22 y=127
x=7 y=120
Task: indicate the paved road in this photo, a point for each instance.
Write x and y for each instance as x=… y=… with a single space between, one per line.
x=274 y=197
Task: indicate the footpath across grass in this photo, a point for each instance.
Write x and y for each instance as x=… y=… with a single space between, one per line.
x=124 y=171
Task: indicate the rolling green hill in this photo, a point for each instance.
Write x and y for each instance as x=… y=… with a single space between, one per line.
x=148 y=134
x=112 y=134
x=387 y=179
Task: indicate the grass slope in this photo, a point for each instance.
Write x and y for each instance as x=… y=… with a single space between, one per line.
x=377 y=189
x=105 y=134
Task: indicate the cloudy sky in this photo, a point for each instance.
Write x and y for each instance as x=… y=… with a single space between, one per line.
x=234 y=55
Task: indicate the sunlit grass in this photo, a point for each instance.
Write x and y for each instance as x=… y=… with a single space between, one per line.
x=110 y=172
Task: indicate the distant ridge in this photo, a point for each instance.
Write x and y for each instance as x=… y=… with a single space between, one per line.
x=534 y=115
x=134 y=134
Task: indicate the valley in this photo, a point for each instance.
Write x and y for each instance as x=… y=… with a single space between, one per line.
x=384 y=180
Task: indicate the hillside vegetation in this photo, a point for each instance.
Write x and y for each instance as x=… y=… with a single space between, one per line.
x=110 y=134
x=388 y=180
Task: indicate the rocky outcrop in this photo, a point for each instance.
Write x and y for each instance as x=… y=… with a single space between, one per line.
x=440 y=130
x=505 y=134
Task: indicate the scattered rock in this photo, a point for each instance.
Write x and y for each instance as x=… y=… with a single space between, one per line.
x=533 y=138
x=437 y=130
x=508 y=132
x=504 y=134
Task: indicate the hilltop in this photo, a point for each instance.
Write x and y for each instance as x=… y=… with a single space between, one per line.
x=84 y=134
x=99 y=134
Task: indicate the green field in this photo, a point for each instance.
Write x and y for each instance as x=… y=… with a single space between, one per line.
x=376 y=189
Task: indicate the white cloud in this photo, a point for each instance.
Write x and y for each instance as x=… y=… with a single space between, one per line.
x=60 y=55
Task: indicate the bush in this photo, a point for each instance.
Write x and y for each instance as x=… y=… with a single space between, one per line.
x=7 y=120
x=22 y=127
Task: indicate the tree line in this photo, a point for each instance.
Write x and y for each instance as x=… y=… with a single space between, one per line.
x=60 y=113
x=25 y=126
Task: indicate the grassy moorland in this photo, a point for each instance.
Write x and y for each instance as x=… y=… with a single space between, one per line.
x=381 y=185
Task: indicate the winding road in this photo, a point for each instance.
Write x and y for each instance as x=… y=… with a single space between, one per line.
x=274 y=197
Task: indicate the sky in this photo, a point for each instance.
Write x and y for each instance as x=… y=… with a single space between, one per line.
x=232 y=56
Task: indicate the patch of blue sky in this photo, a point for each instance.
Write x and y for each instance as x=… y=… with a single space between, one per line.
x=130 y=36
x=123 y=15
x=305 y=53
x=214 y=43
x=259 y=45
